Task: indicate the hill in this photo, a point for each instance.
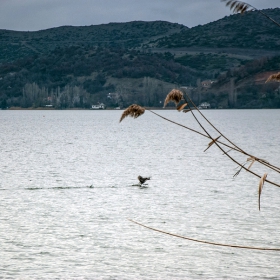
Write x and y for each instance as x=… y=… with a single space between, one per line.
x=247 y=31
x=139 y=62
x=18 y=44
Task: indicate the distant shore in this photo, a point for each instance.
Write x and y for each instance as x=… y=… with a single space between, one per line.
x=113 y=109
x=109 y=108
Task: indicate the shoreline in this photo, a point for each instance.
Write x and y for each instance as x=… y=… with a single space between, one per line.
x=89 y=109
x=113 y=109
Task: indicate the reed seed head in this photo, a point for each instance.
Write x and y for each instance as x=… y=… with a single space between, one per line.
x=274 y=77
x=238 y=6
x=175 y=95
x=133 y=110
x=262 y=180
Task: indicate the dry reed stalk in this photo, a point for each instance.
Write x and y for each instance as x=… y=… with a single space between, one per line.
x=133 y=110
x=206 y=242
x=211 y=143
x=181 y=107
x=274 y=77
x=193 y=104
x=235 y=148
x=175 y=95
x=261 y=183
x=238 y=6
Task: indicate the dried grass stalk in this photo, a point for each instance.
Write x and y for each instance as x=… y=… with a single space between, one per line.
x=238 y=6
x=181 y=107
x=175 y=95
x=262 y=180
x=211 y=143
x=274 y=77
x=134 y=111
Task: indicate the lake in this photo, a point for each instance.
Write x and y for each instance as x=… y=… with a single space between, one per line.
x=67 y=192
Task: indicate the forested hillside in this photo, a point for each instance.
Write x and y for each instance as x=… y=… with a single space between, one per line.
x=249 y=30
x=139 y=62
x=16 y=44
x=89 y=70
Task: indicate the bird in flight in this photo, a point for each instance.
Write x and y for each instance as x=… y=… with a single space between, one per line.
x=142 y=180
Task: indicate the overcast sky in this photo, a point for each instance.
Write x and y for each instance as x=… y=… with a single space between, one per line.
x=42 y=14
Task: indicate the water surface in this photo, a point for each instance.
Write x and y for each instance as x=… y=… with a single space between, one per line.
x=66 y=194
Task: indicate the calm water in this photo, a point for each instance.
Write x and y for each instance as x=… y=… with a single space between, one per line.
x=66 y=196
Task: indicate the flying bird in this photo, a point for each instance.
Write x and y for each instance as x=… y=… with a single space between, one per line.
x=142 y=180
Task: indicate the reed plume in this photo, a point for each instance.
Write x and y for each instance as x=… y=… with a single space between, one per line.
x=133 y=110
x=274 y=77
x=239 y=6
x=242 y=7
x=175 y=95
x=262 y=180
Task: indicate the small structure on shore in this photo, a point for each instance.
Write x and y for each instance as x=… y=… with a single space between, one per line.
x=204 y=105
x=99 y=106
